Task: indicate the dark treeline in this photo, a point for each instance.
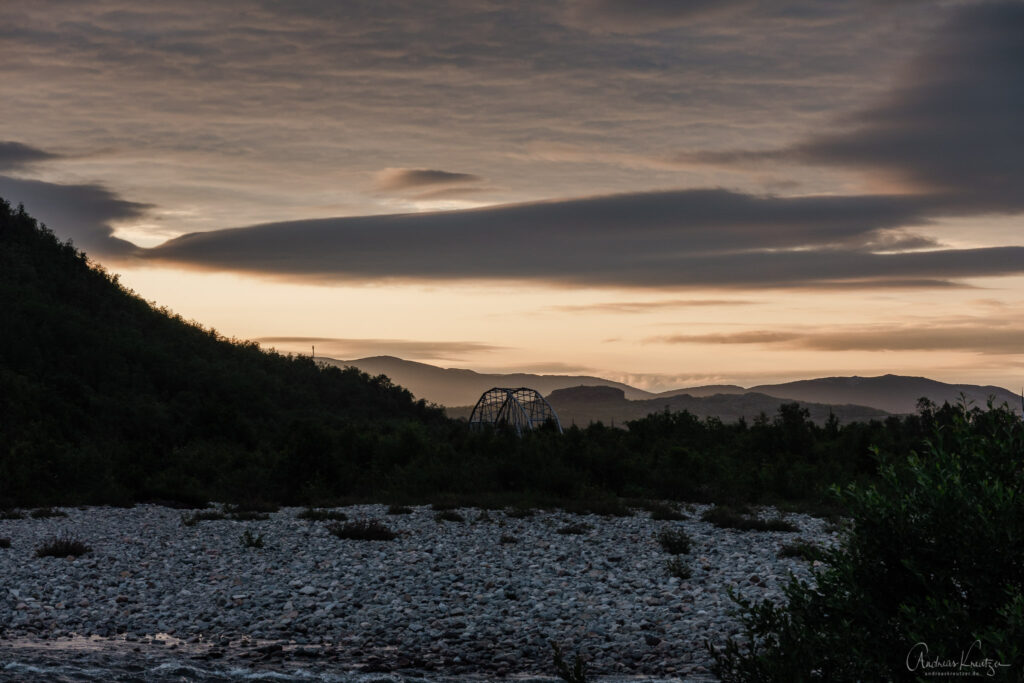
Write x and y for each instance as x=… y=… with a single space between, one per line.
x=106 y=399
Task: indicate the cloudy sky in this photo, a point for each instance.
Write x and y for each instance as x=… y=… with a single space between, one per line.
x=661 y=192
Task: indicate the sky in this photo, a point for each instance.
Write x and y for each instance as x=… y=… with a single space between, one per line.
x=658 y=192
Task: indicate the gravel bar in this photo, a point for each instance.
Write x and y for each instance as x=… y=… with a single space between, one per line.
x=479 y=598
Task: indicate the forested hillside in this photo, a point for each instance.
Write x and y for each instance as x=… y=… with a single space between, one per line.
x=103 y=397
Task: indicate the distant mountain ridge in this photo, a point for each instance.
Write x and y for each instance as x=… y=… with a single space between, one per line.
x=458 y=387
x=583 y=405
x=858 y=396
x=893 y=393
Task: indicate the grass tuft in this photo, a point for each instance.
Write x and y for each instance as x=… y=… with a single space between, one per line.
x=575 y=529
x=802 y=549
x=362 y=530
x=5 y=542
x=575 y=674
x=677 y=567
x=399 y=510
x=321 y=515
x=248 y=516
x=728 y=518
x=202 y=516
x=520 y=513
x=12 y=514
x=252 y=541
x=62 y=545
x=449 y=516
x=605 y=507
x=253 y=506
x=44 y=513
x=507 y=539
x=663 y=511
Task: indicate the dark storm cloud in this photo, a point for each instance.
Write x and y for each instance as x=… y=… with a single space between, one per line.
x=397 y=179
x=954 y=125
x=404 y=348
x=15 y=155
x=683 y=238
x=985 y=336
x=951 y=126
x=629 y=16
x=83 y=213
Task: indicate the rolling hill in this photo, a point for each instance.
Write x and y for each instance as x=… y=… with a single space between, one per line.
x=583 y=405
x=850 y=398
x=457 y=387
x=892 y=393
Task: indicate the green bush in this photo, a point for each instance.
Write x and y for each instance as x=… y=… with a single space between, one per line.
x=674 y=541
x=934 y=563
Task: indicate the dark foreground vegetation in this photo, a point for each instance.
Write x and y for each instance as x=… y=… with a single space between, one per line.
x=929 y=582
x=106 y=399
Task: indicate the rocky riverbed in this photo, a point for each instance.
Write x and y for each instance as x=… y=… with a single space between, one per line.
x=480 y=598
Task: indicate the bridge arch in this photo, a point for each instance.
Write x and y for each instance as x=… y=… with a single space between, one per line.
x=520 y=409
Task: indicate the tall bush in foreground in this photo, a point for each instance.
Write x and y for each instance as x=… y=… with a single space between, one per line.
x=928 y=583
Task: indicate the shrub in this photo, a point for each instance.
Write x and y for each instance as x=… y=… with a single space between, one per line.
x=12 y=514
x=202 y=516
x=674 y=541
x=251 y=541
x=677 y=567
x=362 y=530
x=483 y=517
x=449 y=516
x=507 y=539
x=575 y=528
x=399 y=510
x=5 y=542
x=802 y=549
x=663 y=512
x=248 y=516
x=520 y=513
x=44 y=513
x=321 y=515
x=935 y=556
x=253 y=506
x=576 y=674
x=62 y=545
x=728 y=518
x=605 y=507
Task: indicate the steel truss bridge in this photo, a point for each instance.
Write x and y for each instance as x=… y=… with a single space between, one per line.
x=519 y=409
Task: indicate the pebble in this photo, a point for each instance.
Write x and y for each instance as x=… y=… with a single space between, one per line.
x=442 y=594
